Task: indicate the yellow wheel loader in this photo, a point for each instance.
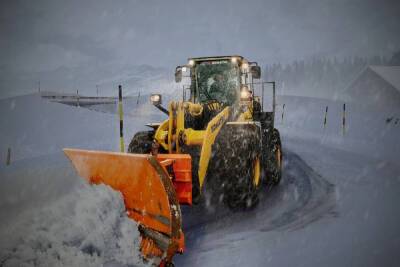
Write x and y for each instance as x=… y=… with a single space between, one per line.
x=218 y=138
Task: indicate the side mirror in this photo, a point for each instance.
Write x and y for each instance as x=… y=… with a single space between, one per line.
x=178 y=74
x=156 y=99
x=255 y=72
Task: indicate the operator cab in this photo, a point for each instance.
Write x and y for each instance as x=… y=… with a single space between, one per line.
x=219 y=79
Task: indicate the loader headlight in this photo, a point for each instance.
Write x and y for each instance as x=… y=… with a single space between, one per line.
x=155 y=99
x=191 y=63
x=245 y=94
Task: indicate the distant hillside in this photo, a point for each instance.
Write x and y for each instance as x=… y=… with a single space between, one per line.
x=89 y=80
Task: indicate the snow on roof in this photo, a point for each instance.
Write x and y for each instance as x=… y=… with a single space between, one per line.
x=391 y=74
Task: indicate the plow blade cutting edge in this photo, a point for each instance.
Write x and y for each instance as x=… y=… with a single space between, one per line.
x=149 y=194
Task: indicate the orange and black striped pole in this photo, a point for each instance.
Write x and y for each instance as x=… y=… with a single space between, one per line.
x=121 y=120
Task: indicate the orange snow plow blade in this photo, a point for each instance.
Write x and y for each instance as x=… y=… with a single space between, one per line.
x=148 y=191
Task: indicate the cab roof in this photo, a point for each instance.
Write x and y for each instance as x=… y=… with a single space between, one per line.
x=215 y=58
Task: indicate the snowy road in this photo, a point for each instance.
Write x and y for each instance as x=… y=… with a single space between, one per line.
x=302 y=198
x=347 y=217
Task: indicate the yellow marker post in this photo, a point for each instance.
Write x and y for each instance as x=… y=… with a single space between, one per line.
x=121 y=120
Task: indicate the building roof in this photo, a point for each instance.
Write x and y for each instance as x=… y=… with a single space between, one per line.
x=391 y=74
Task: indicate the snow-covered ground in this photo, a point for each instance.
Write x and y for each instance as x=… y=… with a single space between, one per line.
x=337 y=204
x=32 y=126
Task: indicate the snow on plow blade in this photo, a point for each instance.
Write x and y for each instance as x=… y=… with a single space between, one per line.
x=149 y=193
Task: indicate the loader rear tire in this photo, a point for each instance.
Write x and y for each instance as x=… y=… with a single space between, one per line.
x=276 y=156
x=141 y=142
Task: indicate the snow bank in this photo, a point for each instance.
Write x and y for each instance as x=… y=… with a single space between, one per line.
x=88 y=227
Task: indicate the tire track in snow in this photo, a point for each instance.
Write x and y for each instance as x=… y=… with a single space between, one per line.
x=303 y=197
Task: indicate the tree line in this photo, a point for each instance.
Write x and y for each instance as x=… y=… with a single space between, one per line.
x=327 y=74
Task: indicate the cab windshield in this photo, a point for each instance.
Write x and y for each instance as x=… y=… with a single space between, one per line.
x=217 y=80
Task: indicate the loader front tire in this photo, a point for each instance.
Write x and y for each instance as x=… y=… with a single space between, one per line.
x=241 y=165
x=141 y=142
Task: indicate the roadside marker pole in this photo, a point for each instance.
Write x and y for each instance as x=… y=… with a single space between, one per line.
x=77 y=98
x=273 y=97
x=121 y=120
x=326 y=113
x=262 y=97
x=283 y=111
x=8 y=162
x=344 y=118
x=138 y=98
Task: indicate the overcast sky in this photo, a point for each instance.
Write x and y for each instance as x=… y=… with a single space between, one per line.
x=41 y=37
